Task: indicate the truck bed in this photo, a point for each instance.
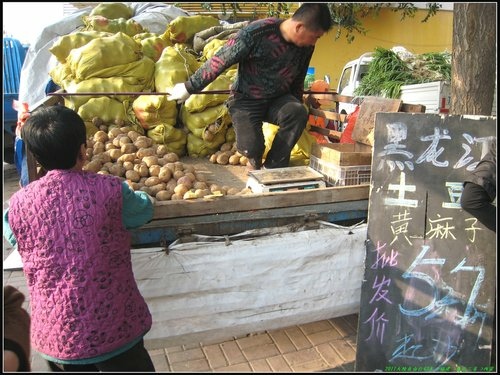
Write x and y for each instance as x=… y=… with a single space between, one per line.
x=233 y=214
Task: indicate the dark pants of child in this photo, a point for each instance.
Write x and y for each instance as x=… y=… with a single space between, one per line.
x=476 y=201
x=136 y=359
x=248 y=116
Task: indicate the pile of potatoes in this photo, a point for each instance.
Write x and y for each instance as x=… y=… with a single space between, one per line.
x=228 y=154
x=148 y=166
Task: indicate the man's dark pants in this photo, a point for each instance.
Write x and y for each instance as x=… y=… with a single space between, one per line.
x=248 y=116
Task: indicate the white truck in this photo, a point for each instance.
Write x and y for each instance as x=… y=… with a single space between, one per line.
x=434 y=95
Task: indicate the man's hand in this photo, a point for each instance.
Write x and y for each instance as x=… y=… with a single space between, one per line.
x=179 y=93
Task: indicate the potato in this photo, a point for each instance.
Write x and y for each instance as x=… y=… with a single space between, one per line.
x=93 y=166
x=157 y=188
x=165 y=174
x=150 y=160
x=178 y=174
x=185 y=180
x=143 y=152
x=213 y=157
x=126 y=157
x=232 y=191
x=106 y=166
x=100 y=136
x=146 y=189
x=151 y=181
x=201 y=177
x=128 y=165
x=243 y=160
x=179 y=166
x=143 y=139
x=163 y=195
x=123 y=129
x=223 y=159
x=128 y=148
x=208 y=136
x=110 y=146
x=190 y=175
x=154 y=170
x=99 y=147
x=113 y=132
x=214 y=187
x=140 y=143
x=97 y=122
x=125 y=140
x=142 y=169
x=200 y=193
x=226 y=146
x=117 y=170
x=133 y=135
x=132 y=175
x=176 y=197
x=181 y=190
x=189 y=168
x=200 y=185
x=171 y=185
x=171 y=157
x=114 y=154
x=116 y=140
x=234 y=160
x=162 y=150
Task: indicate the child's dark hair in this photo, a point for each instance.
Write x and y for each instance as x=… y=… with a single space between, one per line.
x=316 y=16
x=54 y=136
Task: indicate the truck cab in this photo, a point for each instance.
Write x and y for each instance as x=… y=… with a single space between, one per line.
x=351 y=76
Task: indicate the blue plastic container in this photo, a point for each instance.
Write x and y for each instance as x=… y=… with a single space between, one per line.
x=13 y=58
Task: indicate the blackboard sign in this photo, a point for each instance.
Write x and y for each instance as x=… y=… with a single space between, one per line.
x=428 y=294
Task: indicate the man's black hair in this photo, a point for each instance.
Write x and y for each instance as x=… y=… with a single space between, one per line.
x=316 y=16
x=54 y=136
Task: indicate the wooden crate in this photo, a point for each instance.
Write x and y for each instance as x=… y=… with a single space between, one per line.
x=341 y=154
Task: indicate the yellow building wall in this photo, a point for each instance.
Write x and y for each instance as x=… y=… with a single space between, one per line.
x=385 y=30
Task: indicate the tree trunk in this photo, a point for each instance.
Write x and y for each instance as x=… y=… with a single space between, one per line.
x=473 y=73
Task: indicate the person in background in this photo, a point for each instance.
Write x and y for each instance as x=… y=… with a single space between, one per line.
x=16 y=331
x=70 y=227
x=273 y=57
x=480 y=189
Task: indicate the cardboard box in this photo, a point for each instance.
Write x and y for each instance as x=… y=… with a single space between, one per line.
x=342 y=154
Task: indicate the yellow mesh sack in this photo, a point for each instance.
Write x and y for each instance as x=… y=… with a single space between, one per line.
x=175 y=139
x=183 y=28
x=100 y=23
x=199 y=102
x=212 y=47
x=142 y=70
x=197 y=147
x=153 y=47
x=106 y=109
x=112 y=10
x=103 y=53
x=113 y=84
x=196 y=122
x=152 y=110
x=65 y=43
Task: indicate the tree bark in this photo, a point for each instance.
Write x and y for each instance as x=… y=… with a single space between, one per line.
x=473 y=72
